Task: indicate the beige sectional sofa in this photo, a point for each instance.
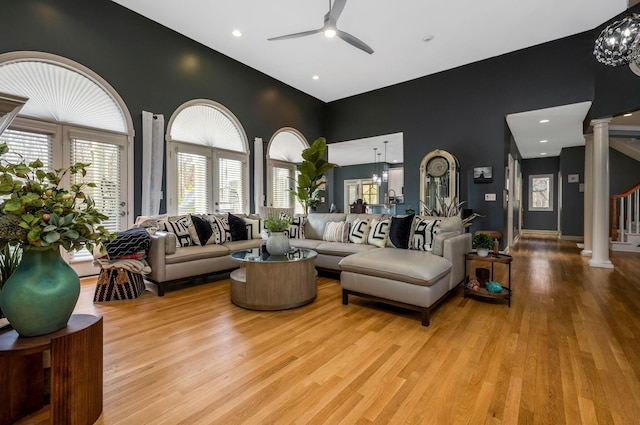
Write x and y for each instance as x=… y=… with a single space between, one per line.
x=406 y=277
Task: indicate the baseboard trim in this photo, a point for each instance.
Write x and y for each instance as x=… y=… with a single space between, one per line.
x=540 y=232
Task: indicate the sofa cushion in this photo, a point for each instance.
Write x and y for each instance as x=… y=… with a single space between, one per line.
x=359 y=231
x=180 y=227
x=296 y=228
x=336 y=231
x=316 y=222
x=246 y=244
x=237 y=228
x=220 y=227
x=423 y=233
x=191 y=253
x=305 y=243
x=400 y=232
x=379 y=233
x=342 y=249
x=416 y=267
x=200 y=230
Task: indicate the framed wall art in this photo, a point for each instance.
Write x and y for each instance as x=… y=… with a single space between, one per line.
x=483 y=174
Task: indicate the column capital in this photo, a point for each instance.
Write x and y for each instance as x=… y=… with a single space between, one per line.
x=600 y=121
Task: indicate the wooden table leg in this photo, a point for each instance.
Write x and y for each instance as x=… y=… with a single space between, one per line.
x=21 y=388
x=76 y=376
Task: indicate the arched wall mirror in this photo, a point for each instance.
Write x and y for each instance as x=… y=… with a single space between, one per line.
x=439 y=180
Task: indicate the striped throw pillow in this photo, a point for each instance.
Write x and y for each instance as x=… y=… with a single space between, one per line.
x=336 y=231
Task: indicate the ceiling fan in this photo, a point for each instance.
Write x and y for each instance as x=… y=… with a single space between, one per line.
x=330 y=28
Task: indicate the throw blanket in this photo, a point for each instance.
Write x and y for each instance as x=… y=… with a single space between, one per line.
x=135 y=266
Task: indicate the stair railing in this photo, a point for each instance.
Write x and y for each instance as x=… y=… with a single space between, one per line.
x=629 y=217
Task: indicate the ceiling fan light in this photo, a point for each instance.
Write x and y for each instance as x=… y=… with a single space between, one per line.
x=330 y=32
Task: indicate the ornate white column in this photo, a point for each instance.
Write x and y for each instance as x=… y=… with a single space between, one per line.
x=600 y=204
x=588 y=196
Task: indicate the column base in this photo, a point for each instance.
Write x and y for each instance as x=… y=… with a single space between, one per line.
x=586 y=253
x=606 y=264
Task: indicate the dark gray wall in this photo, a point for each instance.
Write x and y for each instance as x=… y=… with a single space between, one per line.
x=572 y=213
x=154 y=68
x=540 y=220
x=460 y=110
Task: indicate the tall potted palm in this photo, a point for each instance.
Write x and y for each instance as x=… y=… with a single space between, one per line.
x=311 y=170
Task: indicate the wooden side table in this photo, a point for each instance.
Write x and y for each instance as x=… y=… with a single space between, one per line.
x=76 y=372
x=483 y=293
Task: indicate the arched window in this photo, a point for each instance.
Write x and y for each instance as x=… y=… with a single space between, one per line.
x=207 y=157
x=283 y=153
x=73 y=115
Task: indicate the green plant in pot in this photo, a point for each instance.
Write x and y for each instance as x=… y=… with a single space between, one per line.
x=10 y=256
x=482 y=244
x=40 y=217
x=278 y=241
x=311 y=170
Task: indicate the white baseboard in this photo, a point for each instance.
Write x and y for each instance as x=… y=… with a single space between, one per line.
x=540 y=232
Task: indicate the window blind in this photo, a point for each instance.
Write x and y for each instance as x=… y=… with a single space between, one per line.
x=281 y=182
x=193 y=188
x=231 y=185
x=28 y=146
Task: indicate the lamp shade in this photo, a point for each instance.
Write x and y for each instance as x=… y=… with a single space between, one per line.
x=617 y=44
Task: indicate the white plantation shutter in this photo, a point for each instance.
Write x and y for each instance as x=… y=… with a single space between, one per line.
x=29 y=145
x=105 y=173
x=281 y=196
x=232 y=185
x=193 y=186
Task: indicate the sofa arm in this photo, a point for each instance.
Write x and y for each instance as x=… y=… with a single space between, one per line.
x=162 y=243
x=455 y=249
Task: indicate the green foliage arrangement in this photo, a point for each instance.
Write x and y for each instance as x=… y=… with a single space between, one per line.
x=36 y=212
x=9 y=261
x=277 y=223
x=311 y=169
x=481 y=241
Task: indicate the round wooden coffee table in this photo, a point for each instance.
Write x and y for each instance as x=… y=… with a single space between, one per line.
x=274 y=282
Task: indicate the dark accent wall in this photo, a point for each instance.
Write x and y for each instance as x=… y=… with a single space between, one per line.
x=462 y=111
x=154 y=68
x=540 y=220
x=572 y=213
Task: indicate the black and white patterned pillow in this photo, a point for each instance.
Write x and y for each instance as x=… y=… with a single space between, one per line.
x=254 y=227
x=220 y=228
x=379 y=233
x=359 y=231
x=180 y=227
x=128 y=242
x=200 y=230
x=423 y=232
x=400 y=232
x=296 y=228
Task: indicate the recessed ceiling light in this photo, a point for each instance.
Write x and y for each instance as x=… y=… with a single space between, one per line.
x=236 y=33
x=627 y=115
x=543 y=141
x=544 y=121
x=315 y=77
x=543 y=153
x=427 y=38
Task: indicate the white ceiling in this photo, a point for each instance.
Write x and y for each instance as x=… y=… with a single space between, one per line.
x=361 y=151
x=463 y=31
x=563 y=127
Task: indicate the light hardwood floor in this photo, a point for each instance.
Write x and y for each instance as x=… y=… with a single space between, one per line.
x=566 y=352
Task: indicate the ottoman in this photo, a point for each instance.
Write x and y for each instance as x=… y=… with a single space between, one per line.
x=411 y=279
x=118 y=284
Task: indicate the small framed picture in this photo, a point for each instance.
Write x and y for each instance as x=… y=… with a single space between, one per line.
x=483 y=174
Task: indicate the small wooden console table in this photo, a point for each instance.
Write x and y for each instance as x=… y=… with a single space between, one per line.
x=76 y=373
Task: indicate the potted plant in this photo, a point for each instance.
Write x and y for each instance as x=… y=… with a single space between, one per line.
x=311 y=170
x=278 y=241
x=10 y=257
x=482 y=243
x=40 y=216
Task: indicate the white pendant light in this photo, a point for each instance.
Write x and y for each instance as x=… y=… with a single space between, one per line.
x=374 y=177
x=385 y=170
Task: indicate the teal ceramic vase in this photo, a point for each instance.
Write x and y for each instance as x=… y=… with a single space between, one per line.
x=40 y=295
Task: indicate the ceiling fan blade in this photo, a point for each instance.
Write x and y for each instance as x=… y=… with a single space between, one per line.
x=336 y=11
x=355 y=42
x=296 y=35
